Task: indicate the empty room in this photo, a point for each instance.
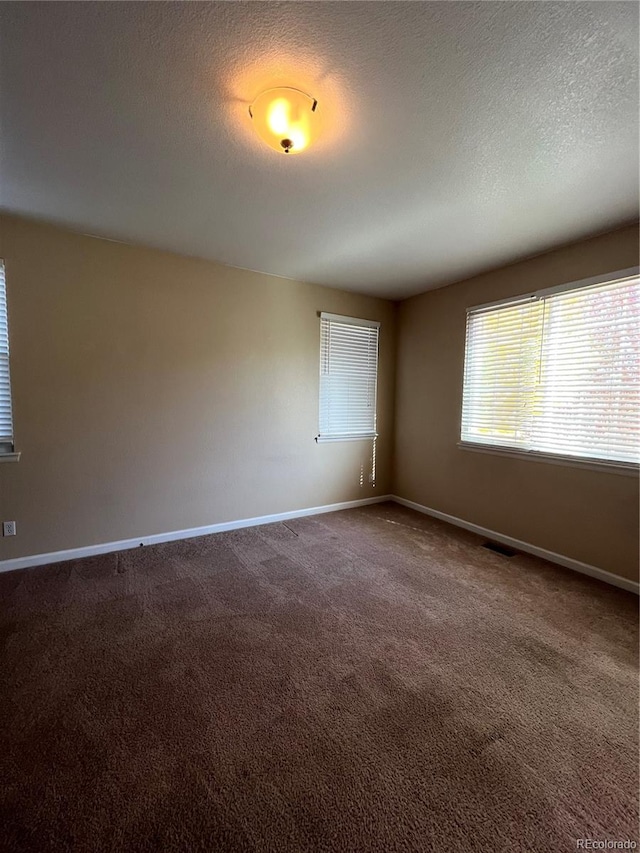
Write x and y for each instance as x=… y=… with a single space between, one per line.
x=319 y=427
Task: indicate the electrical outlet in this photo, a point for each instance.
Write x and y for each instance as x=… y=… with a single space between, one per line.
x=8 y=528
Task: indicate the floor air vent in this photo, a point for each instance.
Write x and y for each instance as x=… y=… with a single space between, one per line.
x=499 y=549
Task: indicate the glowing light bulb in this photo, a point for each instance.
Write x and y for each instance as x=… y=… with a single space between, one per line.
x=286 y=119
x=299 y=139
x=278 y=116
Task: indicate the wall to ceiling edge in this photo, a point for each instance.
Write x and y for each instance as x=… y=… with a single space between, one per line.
x=587 y=515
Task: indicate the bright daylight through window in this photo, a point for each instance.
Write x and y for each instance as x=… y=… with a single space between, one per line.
x=557 y=372
x=348 y=377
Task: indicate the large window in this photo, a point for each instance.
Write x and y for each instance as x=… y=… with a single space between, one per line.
x=6 y=420
x=348 y=377
x=557 y=372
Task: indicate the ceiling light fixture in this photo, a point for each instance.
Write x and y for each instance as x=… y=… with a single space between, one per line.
x=286 y=119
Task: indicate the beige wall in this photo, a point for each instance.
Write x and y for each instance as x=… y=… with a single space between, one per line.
x=588 y=515
x=154 y=392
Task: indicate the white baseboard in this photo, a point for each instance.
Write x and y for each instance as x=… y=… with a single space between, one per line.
x=157 y=538
x=172 y=536
x=560 y=559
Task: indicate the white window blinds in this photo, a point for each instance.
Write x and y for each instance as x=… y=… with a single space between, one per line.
x=6 y=423
x=348 y=377
x=557 y=373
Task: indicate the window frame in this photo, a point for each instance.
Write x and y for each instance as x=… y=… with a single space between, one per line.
x=568 y=460
x=349 y=321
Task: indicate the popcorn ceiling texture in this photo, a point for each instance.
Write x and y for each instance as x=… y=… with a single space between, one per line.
x=369 y=680
x=459 y=136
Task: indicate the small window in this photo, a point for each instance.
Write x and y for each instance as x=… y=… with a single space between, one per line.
x=348 y=377
x=6 y=420
x=557 y=372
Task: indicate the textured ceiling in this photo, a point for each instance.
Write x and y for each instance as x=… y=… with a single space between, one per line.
x=459 y=136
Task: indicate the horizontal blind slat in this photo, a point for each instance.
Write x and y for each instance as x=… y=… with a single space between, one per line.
x=6 y=417
x=559 y=374
x=348 y=377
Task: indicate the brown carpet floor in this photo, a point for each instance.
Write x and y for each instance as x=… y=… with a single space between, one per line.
x=368 y=680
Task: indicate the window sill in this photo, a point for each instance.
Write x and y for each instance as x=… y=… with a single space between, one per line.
x=10 y=457
x=606 y=466
x=325 y=439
